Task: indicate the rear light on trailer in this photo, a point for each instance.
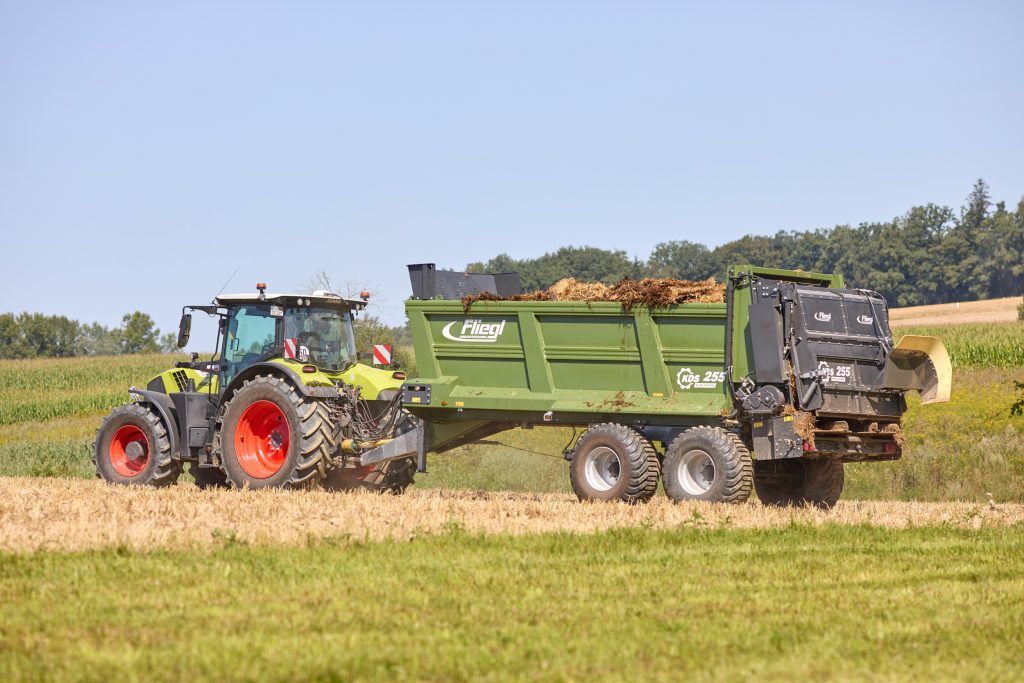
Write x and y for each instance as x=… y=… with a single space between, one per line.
x=807 y=446
x=890 y=448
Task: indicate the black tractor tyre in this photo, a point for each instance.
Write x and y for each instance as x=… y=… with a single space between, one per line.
x=707 y=463
x=799 y=482
x=274 y=437
x=132 y=447
x=394 y=476
x=208 y=477
x=613 y=462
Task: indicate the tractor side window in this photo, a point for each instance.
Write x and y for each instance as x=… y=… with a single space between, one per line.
x=251 y=332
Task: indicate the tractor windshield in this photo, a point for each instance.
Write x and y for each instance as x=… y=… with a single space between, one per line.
x=320 y=336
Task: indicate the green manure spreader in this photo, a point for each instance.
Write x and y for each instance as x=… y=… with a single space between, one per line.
x=770 y=391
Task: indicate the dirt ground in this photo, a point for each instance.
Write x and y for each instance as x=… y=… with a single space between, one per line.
x=988 y=311
x=79 y=514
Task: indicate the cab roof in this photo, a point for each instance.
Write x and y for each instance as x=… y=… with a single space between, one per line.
x=318 y=298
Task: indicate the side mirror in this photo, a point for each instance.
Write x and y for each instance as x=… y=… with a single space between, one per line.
x=184 y=329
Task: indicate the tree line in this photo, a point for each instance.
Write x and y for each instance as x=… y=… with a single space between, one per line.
x=35 y=335
x=931 y=254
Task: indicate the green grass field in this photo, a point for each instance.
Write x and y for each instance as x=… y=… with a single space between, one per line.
x=839 y=602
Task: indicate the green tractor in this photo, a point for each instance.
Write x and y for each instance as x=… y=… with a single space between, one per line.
x=284 y=403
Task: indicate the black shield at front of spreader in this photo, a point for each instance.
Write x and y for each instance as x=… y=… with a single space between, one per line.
x=840 y=342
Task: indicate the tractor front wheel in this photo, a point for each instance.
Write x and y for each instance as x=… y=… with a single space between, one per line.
x=274 y=437
x=132 y=447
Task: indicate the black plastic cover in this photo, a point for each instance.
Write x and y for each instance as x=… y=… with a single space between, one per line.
x=430 y=283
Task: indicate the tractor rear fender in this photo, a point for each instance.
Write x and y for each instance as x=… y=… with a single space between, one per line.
x=161 y=402
x=277 y=370
x=921 y=364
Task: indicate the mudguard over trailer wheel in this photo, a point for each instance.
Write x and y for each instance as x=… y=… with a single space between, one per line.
x=274 y=437
x=614 y=462
x=132 y=447
x=799 y=482
x=707 y=463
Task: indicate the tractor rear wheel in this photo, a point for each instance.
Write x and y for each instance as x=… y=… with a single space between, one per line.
x=132 y=447
x=799 y=482
x=274 y=437
x=707 y=463
x=613 y=462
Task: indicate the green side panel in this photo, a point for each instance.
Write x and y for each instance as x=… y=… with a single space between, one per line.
x=570 y=357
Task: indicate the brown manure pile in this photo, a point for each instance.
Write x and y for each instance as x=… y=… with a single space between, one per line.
x=651 y=292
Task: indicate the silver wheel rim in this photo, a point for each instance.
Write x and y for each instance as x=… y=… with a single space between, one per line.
x=696 y=472
x=602 y=468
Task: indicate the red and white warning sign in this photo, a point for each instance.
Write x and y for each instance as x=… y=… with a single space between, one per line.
x=382 y=354
x=290 y=347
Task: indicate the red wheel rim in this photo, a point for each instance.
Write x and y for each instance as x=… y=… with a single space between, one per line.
x=261 y=439
x=129 y=451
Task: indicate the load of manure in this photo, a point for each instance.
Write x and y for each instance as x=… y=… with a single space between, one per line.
x=651 y=292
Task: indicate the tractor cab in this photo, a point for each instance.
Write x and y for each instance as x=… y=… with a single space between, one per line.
x=306 y=329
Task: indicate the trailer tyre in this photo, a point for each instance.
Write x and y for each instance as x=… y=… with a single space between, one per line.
x=799 y=482
x=707 y=463
x=132 y=447
x=274 y=437
x=614 y=462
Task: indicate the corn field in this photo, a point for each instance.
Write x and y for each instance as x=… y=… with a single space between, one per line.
x=46 y=388
x=978 y=346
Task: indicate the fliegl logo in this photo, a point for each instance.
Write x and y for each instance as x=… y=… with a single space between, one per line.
x=474 y=331
x=865 y=319
x=823 y=317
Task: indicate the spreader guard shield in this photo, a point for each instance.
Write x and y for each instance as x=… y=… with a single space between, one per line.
x=921 y=364
x=402 y=446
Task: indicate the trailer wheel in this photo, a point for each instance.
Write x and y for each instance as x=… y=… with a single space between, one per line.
x=799 y=482
x=132 y=447
x=274 y=437
x=614 y=462
x=707 y=463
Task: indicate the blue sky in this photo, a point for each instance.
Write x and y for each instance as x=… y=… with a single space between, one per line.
x=147 y=150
